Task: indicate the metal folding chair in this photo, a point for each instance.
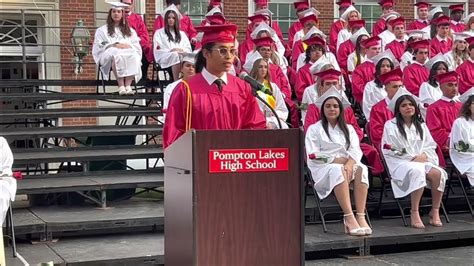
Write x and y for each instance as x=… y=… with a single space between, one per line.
x=10 y=233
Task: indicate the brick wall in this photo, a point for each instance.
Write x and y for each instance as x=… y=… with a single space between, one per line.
x=69 y=15
x=471 y=6
x=237 y=12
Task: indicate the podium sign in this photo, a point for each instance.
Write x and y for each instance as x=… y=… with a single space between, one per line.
x=234 y=197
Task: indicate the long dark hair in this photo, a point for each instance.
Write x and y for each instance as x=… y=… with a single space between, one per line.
x=466 y=108
x=358 y=48
x=123 y=25
x=177 y=37
x=431 y=80
x=312 y=48
x=341 y=122
x=200 y=59
x=433 y=25
x=378 y=67
x=416 y=118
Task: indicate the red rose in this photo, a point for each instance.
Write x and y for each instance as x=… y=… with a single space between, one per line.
x=387 y=147
x=312 y=156
x=18 y=175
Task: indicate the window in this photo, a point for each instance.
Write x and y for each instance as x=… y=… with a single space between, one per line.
x=370 y=12
x=196 y=10
x=284 y=13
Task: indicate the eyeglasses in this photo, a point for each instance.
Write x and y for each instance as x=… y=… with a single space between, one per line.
x=226 y=51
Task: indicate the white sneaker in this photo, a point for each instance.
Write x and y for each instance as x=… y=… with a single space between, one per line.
x=129 y=90
x=122 y=90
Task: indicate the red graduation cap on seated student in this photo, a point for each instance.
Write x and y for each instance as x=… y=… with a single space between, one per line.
x=443 y=20
x=422 y=4
x=216 y=19
x=397 y=21
x=393 y=75
x=329 y=74
x=369 y=42
x=315 y=40
x=451 y=76
x=301 y=5
x=420 y=44
x=218 y=33
x=356 y=23
x=456 y=7
x=470 y=40
x=310 y=17
x=386 y=3
x=265 y=42
x=258 y=18
x=215 y=3
x=345 y=3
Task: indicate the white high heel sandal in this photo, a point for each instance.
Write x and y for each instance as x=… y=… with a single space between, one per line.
x=353 y=232
x=367 y=229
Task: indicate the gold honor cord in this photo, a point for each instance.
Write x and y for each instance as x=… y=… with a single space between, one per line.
x=189 y=106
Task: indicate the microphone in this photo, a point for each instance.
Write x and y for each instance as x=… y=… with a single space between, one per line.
x=253 y=83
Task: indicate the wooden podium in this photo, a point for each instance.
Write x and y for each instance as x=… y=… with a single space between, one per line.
x=234 y=197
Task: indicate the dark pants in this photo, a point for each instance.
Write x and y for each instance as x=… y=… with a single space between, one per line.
x=145 y=65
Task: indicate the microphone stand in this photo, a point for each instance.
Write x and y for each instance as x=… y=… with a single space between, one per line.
x=254 y=92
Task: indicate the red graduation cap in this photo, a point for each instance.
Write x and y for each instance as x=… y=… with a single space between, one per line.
x=218 y=33
x=397 y=21
x=344 y=3
x=215 y=3
x=372 y=41
x=451 y=76
x=422 y=4
x=329 y=74
x=315 y=40
x=386 y=3
x=393 y=75
x=470 y=41
x=456 y=7
x=258 y=18
x=261 y=3
x=216 y=19
x=301 y=5
x=356 y=23
x=420 y=44
x=265 y=41
x=443 y=20
x=308 y=18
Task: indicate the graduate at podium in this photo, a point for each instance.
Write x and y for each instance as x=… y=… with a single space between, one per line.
x=212 y=99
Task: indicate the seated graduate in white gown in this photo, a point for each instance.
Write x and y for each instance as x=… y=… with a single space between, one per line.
x=271 y=94
x=409 y=150
x=430 y=91
x=169 y=42
x=460 y=51
x=117 y=47
x=333 y=156
x=461 y=142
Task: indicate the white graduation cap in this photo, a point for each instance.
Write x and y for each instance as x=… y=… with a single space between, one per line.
x=310 y=11
x=262 y=27
x=313 y=31
x=318 y=65
x=401 y=91
x=347 y=12
x=435 y=59
x=189 y=57
x=436 y=9
x=214 y=10
x=385 y=54
x=468 y=17
x=172 y=7
x=391 y=15
x=117 y=5
x=460 y=36
x=265 y=11
x=465 y=96
x=357 y=34
x=251 y=60
x=427 y=31
x=418 y=34
x=332 y=92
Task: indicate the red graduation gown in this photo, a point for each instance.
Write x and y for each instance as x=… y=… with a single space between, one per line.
x=136 y=22
x=313 y=115
x=233 y=108
x=294 y=28
x=297 y=49
x=466 y=76
x=438 y=46
x=416 y=25
x=458 y=27
x=413 y=76
x=336 y=27
x=305 y=79
x=362 y=75
x=185 y=24
x=379 y=114
x=379 y=27
x=398 y=48
x=345 y=49
x=275 y=26
x=440 y=117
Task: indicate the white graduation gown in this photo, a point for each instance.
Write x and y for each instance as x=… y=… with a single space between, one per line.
x=342 y=36
x=327 y=56
x=408 y=176
x=372 y=95
x=327 y=175
x=7 y=183
x=407 y=59
x=6 y=158
x=452 y=64
x=351 y=61
x=280 y=108
x=162 y=48
x=310 y=95
x=429 y=94
x=167 y=94
x=298 y=36
x=386 y=37
x=127 y=61
x=464 y=161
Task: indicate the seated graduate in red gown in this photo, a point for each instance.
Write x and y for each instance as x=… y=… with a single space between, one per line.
x=422 y=21
x=347 y=47
x=338 y=25
x=442 y=43
x=416 y=73
x=300 y=48
x=350 y=14
x=379 y=26
x=441 y=114
x=262 y=9
x=399 y=45
x=309 y=21
x=300 y=7
x=379 y=114
x=213 y=10
x=387 y=35
x=212 y=99
x=466 y=69
x=456 y=14
x=358 y=56
x=330 y=78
